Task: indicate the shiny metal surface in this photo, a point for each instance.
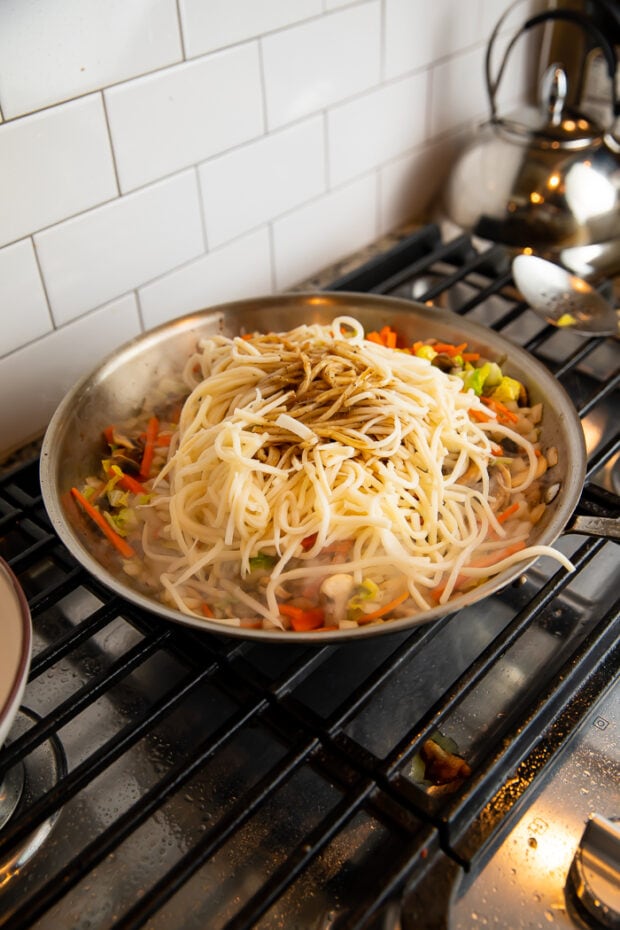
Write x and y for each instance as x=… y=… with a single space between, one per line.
x=547 y=178
x=126 y=381
x=525 y=882
x=563 y=299
x=595 y=872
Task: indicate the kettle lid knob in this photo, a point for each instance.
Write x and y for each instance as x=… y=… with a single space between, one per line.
x=553 y=92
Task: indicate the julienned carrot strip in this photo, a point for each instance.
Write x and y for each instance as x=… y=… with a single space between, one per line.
x=508 y=512
x=500 y=409
x=375 y=614
x=385 y=337
x=126 y=482
x=303 y=618
x=446 y=348
x=389 y=336
x=206 y=610
x=123 y=547
x=509 y=414
x=152 y=430
x=494 y=557
x=479 y=416
x=470 y=356
x=484 y=562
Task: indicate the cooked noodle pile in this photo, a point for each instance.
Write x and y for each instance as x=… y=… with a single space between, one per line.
x=328 y=456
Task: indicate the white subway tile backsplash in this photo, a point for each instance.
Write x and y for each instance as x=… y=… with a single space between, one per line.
x=108 y=251
x=164 y=122
x=518 y=76
x=218 y=23
x=198 y=151
x=512 y=15
x=490 y=13
x=255 y=183
x=54 y=164
x=41 y=373
x=376 y=127
x=321 y=62
x=419 y=33
x=237 y=270
x=50 y=52
x=25 y=314
x=413 y=185
x=458 y=92
x=324 y=231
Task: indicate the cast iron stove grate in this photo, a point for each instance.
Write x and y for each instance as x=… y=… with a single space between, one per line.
x=205 y=782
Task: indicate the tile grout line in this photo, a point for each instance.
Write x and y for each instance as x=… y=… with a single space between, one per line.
x=181 y=33
x=43 y=283
x=106 y=117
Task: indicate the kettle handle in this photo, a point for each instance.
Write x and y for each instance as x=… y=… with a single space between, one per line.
x=568 y=15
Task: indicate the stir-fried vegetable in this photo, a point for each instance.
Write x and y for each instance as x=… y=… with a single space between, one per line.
x=123 y=547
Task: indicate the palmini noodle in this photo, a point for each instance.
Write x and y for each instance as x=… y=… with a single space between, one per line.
x=317 y=440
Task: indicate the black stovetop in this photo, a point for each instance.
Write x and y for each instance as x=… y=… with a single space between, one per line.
x=178 y=779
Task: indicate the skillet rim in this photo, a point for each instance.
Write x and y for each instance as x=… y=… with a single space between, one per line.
x=336 y=303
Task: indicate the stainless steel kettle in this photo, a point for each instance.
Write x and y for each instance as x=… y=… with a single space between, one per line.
x=545 y=178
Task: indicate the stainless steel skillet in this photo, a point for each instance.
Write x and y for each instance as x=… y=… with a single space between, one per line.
x=131 y=378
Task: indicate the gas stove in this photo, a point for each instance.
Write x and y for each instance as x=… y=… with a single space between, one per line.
x=178 y=779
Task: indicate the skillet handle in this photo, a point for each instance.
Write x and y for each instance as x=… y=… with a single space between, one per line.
x=595 y=526
x=597 y=514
